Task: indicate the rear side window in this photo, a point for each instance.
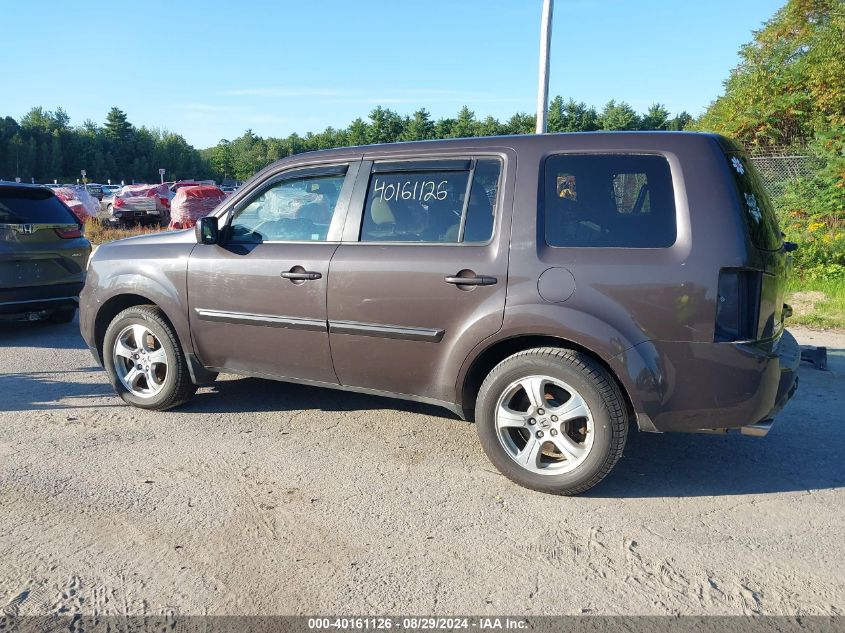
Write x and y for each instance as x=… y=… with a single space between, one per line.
x=757 y=210
x=33 y=206
x=609 y=201
x=424 y=203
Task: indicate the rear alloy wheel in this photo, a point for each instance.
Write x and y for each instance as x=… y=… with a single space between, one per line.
x=144 y=360
x=552 y=420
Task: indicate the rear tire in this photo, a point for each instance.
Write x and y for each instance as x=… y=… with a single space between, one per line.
x=552 y=420
x=144 y=360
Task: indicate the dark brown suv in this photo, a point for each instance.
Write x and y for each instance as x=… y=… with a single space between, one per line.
x=554 y=288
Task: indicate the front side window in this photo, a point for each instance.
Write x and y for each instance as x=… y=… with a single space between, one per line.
x=291 y=210
x=438 y=206
x=609 y=201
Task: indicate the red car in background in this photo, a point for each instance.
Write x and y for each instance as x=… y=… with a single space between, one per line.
x=139 y=204
x=81 y=203
x=192 y=203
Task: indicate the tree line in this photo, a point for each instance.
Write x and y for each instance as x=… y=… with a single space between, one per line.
x=44 y=146
x=248 y=153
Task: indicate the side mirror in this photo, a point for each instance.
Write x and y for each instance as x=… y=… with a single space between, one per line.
x=207 y=230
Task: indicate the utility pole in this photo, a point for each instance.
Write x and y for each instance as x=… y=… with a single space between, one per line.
x=543 y=79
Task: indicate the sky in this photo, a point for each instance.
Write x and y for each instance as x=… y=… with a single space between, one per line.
x=210 y=70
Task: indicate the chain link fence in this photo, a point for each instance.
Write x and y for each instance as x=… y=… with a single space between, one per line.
x=777 y=170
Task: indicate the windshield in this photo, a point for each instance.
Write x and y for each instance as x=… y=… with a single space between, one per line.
x=37 y=206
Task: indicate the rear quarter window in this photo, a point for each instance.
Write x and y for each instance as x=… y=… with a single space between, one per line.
x=757 y=210
x=33 y=206
x=609 y=200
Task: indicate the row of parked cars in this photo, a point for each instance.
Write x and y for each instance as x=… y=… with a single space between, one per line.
x=173 y=204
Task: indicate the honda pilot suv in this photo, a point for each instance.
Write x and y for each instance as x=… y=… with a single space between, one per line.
x=43 y=255
x=556 y=289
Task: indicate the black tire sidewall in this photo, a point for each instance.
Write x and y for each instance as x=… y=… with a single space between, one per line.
x=515 y=369
x=133 y=317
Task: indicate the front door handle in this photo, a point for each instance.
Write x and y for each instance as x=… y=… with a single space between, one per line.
x=301 y=275
x=478 y=280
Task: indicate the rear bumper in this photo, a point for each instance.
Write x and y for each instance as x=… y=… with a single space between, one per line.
x=695 y=387
x=37 y=298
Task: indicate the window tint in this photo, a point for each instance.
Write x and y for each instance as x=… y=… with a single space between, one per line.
x=609 y=200
x=432 y=205
x=38 y=206
x=483 y=199
x=757 y=209
x=299 y=209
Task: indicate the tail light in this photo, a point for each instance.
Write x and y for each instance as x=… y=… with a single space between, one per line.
x=118 y=202
x=69 y=233
x=165 y=202
x=738 y=305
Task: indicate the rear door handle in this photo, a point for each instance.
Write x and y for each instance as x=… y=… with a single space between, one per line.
x=479 y=280
x=305 y=275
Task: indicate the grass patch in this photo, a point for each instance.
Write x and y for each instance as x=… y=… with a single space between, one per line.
x=818 y=303
x=99 y=234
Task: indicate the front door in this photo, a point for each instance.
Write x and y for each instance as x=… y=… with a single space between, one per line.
x=420 y=277
x=258 y=299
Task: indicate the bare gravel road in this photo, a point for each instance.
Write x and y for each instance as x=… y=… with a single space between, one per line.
x=265 y=498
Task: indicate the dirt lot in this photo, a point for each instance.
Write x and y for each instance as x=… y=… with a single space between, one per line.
x=265 y=498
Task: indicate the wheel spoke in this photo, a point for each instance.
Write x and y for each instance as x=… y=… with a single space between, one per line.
x=506 y=417
x=132 y=377
x=573 y=408
x=122 y=349
x=158 y=357
x=152 y=379
x=530 y=455
x=534 y=387
x=139 y=333
x=571 y=450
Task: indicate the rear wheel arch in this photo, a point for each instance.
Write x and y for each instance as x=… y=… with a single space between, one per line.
x=486 y=360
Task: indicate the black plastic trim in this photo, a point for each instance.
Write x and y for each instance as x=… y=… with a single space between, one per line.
x=386 y=331
x=268 y=320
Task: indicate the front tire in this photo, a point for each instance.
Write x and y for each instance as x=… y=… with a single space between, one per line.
x=144 y=360
x=552 y=420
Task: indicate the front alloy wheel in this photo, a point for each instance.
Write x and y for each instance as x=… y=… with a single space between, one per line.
x=140 y=361
x=144 y=359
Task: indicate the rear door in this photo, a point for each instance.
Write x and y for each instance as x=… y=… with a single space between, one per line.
x=258 y=299
x=421 y=275
x=41 y=244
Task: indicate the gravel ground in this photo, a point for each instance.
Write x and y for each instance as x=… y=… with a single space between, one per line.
x=265 y=498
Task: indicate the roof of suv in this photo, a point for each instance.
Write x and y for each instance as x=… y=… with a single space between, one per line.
x=631 y=138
